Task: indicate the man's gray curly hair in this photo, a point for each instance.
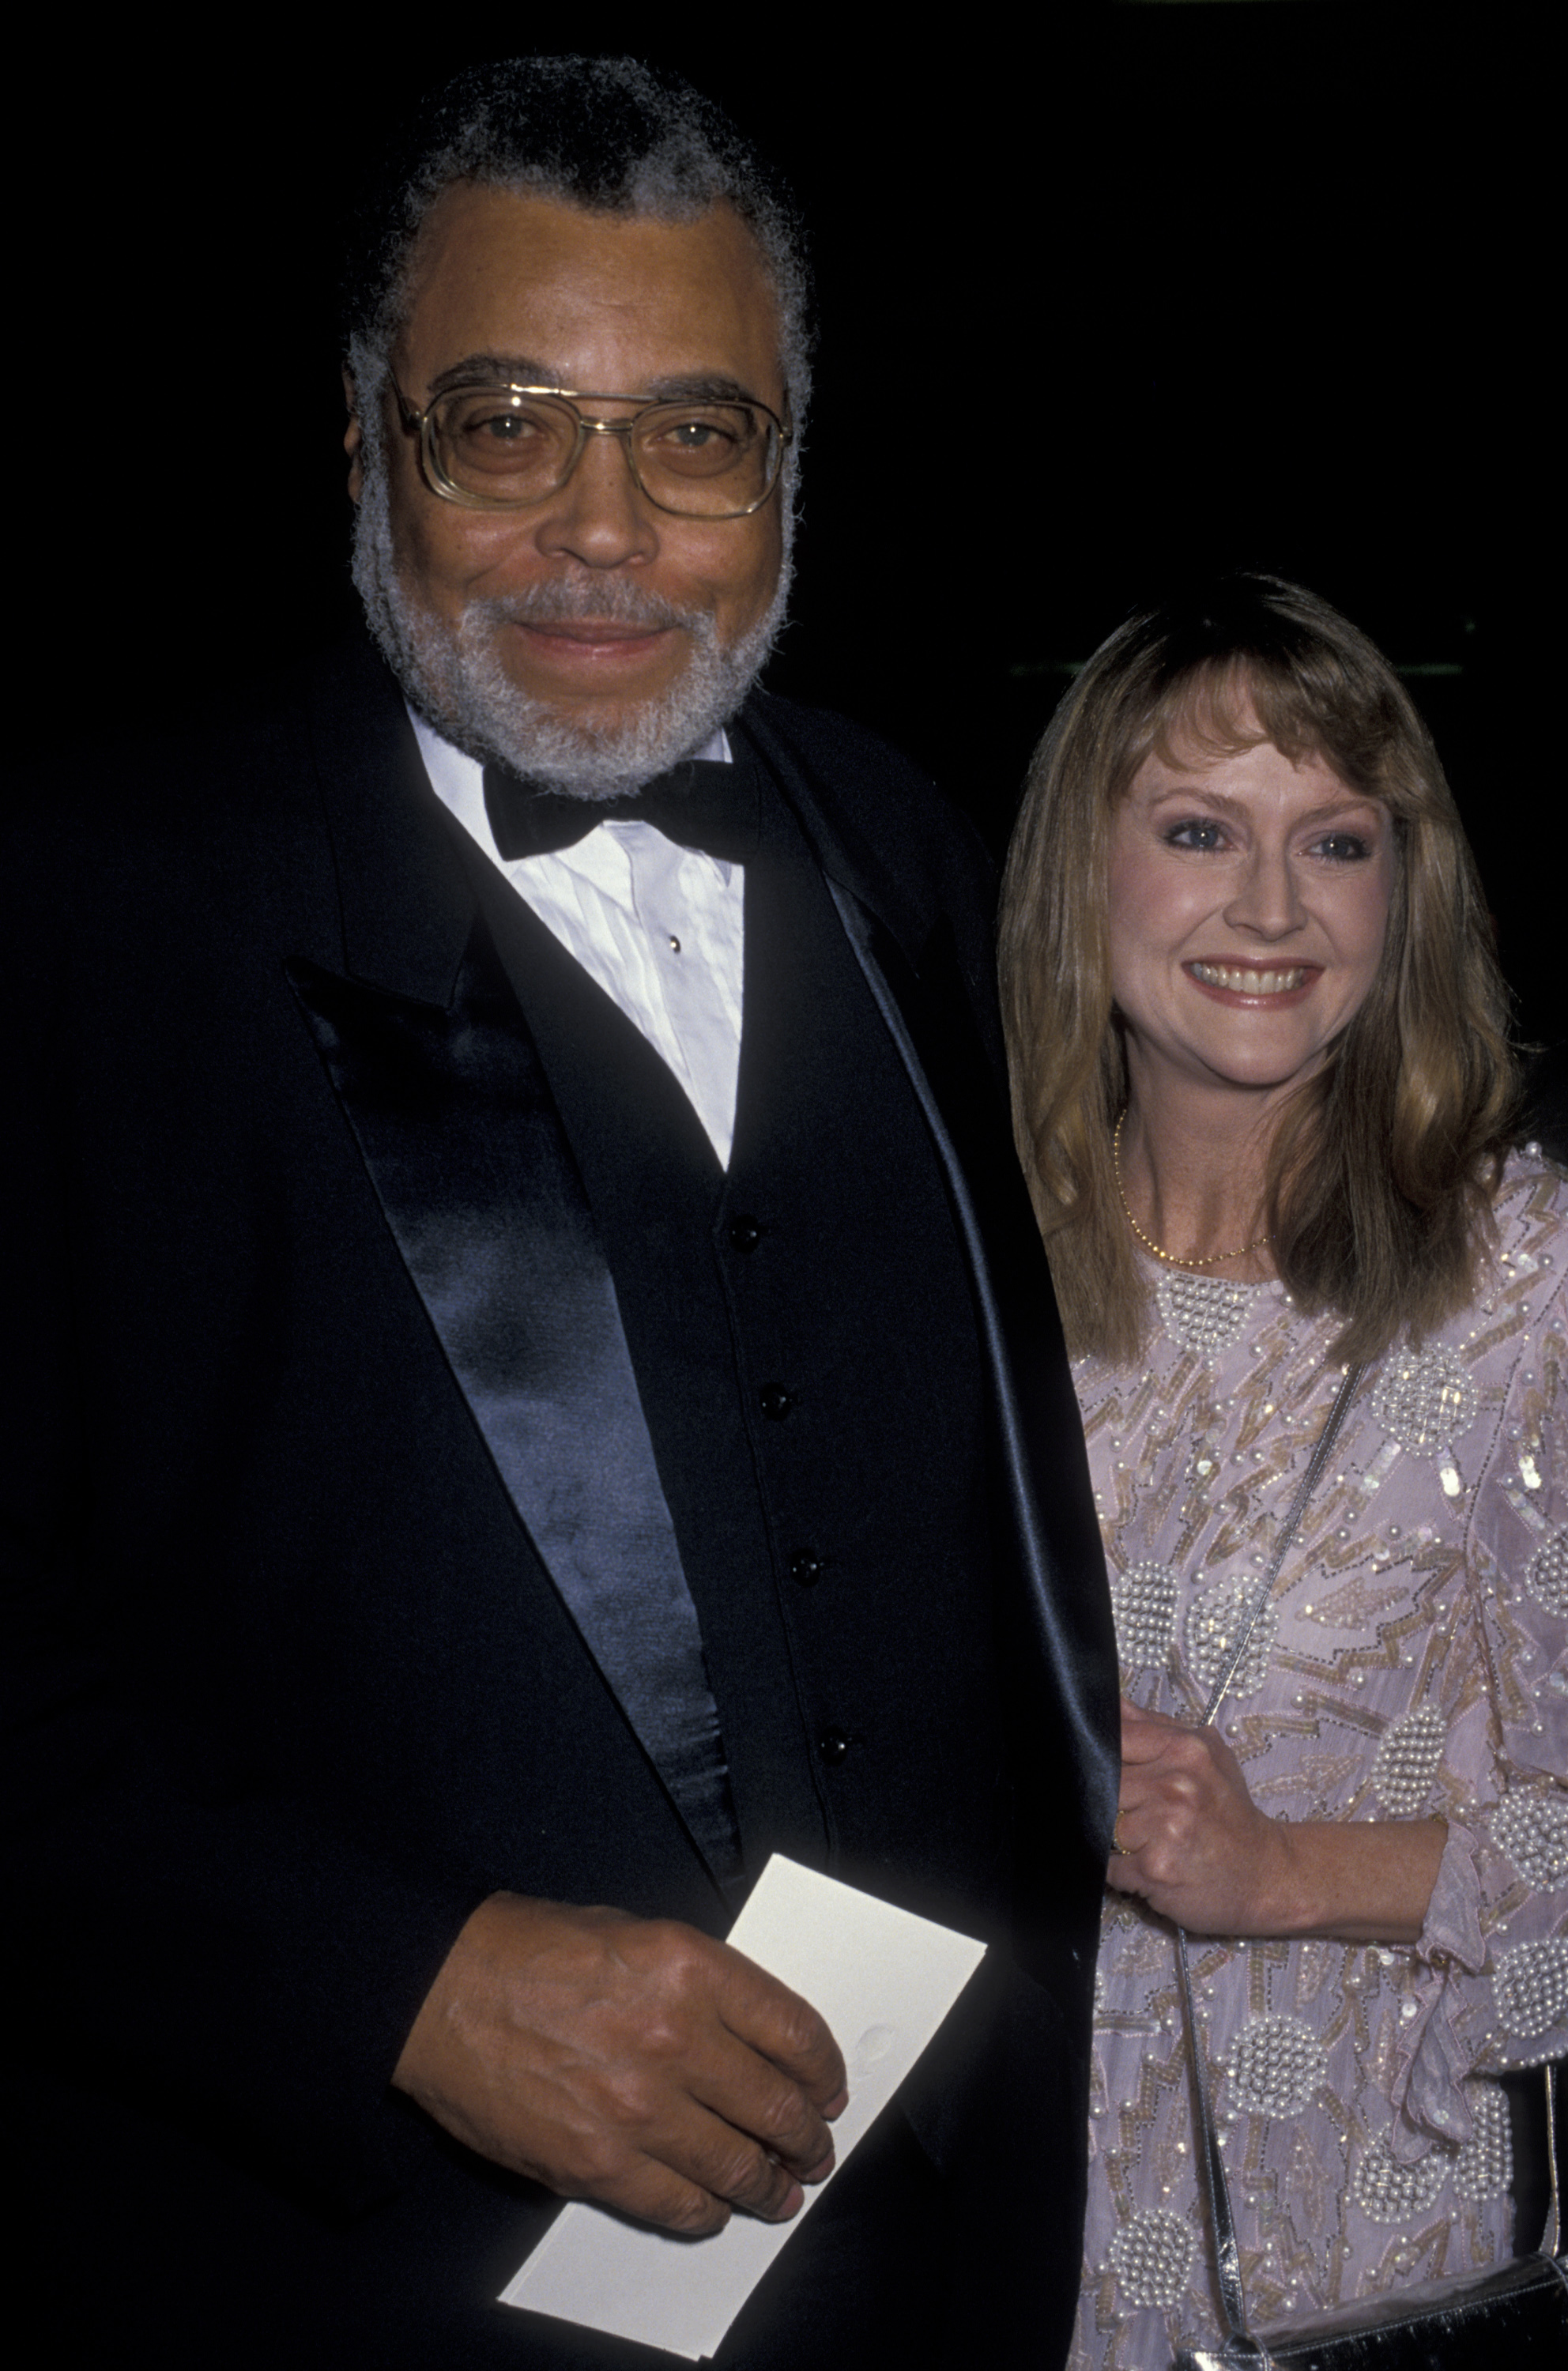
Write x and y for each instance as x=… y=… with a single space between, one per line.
x=605 y=133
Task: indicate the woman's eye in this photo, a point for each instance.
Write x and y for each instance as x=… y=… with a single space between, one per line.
x=1343 y=848
x=1195 y=833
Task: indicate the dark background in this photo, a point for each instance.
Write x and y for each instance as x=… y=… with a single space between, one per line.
x=1236 y=280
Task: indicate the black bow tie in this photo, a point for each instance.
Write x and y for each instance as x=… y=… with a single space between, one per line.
x=697 y=804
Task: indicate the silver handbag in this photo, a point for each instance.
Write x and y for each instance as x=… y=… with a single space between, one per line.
x=1479 y=2322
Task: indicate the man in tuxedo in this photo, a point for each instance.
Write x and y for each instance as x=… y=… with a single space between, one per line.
x=540 y=1388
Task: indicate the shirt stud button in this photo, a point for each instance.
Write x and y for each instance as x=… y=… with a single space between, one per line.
x=776 y=1401
x=806 y=1569
x=744 y=1234
x=833 y=1745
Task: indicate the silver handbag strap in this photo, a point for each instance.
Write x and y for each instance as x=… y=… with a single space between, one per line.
x=1227 y=2254
x=1552 y=2237
x=1291 y=1525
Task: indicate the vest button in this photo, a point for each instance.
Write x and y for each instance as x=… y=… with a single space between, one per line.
x=744 y=1234
x=776 y=1401
x=833 y=1745
x=806 y=1569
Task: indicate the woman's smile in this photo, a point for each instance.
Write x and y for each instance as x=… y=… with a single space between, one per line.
x=1245 y=983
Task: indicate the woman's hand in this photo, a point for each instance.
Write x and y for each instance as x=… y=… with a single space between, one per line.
x=1190 y=1840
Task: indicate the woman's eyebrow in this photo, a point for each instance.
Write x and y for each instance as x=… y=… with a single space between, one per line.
x=1186 y=793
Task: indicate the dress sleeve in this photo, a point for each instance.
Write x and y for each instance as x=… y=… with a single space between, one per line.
x=1489 y=1980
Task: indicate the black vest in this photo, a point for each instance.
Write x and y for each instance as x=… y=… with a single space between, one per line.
x=804 y=1340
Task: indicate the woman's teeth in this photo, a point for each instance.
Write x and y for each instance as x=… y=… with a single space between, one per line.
x=1244 y=981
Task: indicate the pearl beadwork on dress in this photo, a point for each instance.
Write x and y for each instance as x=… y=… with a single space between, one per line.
x=1533 y=1830
x=1484 y=2166
x=1412 y=1661
x=1201 y=1312
x=1143 y=1601
x=1387 y=2191
x=1407 y=1762
x=1531 y=1985
x=1547 y=1579
x=1214 y=1623
x=1425 y=1399
x=1151 y=2257
x=1277 y=2066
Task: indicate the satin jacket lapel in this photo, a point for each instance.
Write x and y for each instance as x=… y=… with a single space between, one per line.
x=442 y=1087
x=923 y=1000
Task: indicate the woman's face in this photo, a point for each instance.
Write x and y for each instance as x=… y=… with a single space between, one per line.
x=1248 y=902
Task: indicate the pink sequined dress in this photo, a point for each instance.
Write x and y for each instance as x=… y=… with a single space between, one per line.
x=1413 y=1663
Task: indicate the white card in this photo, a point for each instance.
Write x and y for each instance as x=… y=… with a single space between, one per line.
x=883 y=1979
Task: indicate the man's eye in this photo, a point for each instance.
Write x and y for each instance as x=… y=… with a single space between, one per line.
x=1195 y=833
x=707 y=437
x=488 y=420
x=503 y=427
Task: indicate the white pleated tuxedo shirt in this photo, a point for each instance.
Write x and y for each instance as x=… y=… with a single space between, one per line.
x=659 y=927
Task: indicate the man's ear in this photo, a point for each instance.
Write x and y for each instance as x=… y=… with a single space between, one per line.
x=353 y=438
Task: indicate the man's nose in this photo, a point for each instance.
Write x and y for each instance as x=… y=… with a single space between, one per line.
x=600 y=516
x=1267 y=902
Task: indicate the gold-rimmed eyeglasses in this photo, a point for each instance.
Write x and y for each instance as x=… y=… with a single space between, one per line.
x=503 y=448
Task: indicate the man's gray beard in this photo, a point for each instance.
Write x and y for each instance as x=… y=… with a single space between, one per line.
x=455 y=678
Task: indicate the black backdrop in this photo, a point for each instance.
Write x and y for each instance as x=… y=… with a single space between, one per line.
x=1249 y=282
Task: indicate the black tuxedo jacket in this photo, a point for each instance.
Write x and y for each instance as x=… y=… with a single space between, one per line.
x=324 y=1436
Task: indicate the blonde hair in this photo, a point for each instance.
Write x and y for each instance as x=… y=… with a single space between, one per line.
x=1383 y=1168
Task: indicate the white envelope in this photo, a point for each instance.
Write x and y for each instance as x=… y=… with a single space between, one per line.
x=883 y=1979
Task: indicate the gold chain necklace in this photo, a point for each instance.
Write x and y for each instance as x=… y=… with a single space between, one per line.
x=1171 y=1259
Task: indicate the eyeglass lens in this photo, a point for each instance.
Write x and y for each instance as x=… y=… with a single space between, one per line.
x=707 y=459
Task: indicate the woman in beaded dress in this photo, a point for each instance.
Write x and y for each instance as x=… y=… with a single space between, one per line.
x=1263 y=1087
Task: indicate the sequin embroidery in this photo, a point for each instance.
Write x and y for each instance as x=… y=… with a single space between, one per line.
x=1531 y=1985
x=1547 y=1579
x=1425 y=1399
x=1151 y=2257
x=1407 y=1762
x=1389 y=2193
x=1484 y=2166
x=1201 y=1312
x=1411 y=1663
x=1533 y=1830
x=1277 y=2066
x=1214 y=1622
x=1143 y=1601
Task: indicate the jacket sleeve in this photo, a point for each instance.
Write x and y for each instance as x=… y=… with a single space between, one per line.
x=184 y=1924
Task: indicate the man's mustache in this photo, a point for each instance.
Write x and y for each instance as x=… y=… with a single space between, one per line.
x=568 y=601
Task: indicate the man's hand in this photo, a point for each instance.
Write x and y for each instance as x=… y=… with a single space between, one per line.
x=1193 y=1843
x=630 y=2060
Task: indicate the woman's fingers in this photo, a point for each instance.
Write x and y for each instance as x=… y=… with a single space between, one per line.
x=1188 y=1837
x=1144 y=1734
